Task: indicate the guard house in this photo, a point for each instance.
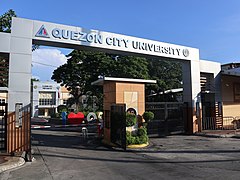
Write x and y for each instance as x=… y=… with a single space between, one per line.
x=130 y=92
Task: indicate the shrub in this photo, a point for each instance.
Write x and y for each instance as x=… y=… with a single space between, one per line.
x=148 y=116
x=142 y=131
x=85 y=113
x=140 y=138
x=143 y=139
x=137 y=140
x=129 y=138
x=131 y=119
x=62 y=108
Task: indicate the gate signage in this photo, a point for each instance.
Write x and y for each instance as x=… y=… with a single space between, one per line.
x=94 y=38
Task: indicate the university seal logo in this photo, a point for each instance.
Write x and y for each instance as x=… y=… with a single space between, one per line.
x=186 y=52
x=42 y=32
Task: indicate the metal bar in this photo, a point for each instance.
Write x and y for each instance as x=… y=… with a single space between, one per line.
x=5 y=126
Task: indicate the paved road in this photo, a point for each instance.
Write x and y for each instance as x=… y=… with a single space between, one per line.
x=65 y=155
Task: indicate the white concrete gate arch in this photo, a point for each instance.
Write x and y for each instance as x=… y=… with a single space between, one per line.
x=18 y=44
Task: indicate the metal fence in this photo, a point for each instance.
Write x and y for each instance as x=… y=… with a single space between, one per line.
x=221 y=123
x=168 y=118
x=3 y=126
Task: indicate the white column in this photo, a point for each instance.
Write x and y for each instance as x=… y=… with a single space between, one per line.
x=191 y=90
x=191 y=82
x=19 y=85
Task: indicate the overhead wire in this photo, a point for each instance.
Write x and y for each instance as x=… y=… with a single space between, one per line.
x=45 y=64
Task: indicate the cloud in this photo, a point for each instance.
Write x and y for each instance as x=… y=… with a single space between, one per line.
x=45 y=61
x=49 y=57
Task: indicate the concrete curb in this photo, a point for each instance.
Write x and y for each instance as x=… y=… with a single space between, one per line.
x=12 y=162
x=218 y=135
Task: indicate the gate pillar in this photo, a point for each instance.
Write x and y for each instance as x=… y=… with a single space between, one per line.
x=20 y=70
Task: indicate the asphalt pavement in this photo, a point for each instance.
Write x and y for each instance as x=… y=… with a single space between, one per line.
x=66 y=155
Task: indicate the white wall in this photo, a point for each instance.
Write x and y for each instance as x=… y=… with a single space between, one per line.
x=215 y=69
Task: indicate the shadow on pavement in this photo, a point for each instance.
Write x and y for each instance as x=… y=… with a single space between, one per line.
x=68 y=139
x=143 y=159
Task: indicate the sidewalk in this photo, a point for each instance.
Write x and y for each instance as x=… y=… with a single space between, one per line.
x=220 y=133
x=10 y=162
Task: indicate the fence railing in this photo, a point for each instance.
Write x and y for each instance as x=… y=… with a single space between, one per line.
x=221 y=123
x=3 y=127
x=165 y=110
x=168 y=118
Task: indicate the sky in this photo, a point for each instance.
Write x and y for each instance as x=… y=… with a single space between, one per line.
x=212 y=26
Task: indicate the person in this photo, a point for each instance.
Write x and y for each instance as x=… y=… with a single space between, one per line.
x=100 y=124
x=84 y=130
x=64 y=118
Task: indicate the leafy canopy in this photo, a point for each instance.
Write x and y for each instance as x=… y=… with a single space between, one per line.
x=6 y=21
x=84 y=67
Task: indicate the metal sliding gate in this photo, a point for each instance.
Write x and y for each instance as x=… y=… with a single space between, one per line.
x=169 y=118
x=19 y=131
x=3 y=127
x=118 y=125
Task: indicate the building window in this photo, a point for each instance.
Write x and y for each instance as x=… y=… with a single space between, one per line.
x=2 y=101
x=47 y=98
x=237 y=92
x=41 y=112
x=65 y=101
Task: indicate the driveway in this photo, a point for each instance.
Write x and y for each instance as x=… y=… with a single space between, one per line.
x=66 y=155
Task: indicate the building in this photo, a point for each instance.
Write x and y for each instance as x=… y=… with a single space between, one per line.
x=3 y=97
x=46 y=97
x=230 y=85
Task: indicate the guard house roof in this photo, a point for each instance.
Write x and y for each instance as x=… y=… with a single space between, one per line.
x=101 y=80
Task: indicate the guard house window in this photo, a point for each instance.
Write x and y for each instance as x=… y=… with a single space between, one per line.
x=237 y=92
x=47 y=98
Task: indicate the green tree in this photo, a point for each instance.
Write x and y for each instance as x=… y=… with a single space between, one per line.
x=168 y=75
x=130 y=67
x=6 y=21
x=84 y=67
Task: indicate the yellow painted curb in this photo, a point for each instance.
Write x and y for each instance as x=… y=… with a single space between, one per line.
x=138 y=145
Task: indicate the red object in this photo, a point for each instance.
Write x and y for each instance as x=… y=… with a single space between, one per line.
x=75 y=118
